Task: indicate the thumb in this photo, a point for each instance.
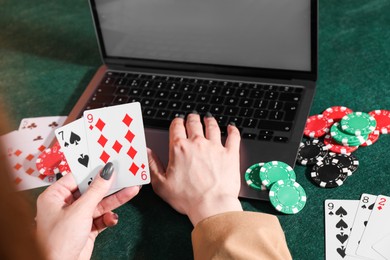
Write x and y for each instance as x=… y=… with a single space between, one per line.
x=98 y=188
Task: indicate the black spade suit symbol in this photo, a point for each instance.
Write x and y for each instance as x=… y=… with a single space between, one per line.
x=341 y=212
x=342 y=237
x=83 y=160
x=371 y=206
x=341 y=224
x=74 y=138
x=341 y=251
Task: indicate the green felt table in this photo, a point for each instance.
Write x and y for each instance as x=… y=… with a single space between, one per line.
x=48 y=54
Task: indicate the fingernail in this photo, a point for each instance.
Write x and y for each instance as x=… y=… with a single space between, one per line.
x=195 y=112
x=116 y=217
x=107 y=171
x=232 y=123
x=208 y=115
x=180 y=116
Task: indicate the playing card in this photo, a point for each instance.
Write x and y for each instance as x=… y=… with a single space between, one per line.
x=339 y=215
x=73 y=142
x=21 y=150
x=116 y=134
x=383 y=246
x=41 y=124
x=377 y=227
x=363 y=213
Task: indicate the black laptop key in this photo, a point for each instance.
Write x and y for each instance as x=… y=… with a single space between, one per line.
x=281 y=139
x=149 y=112
x=276 y=115
x=200 y=89
x=107 y=81
x=246 y=102
x=163 y=114
x=160 y=103
x=121 y=100
x=188 y=106
x=290 y=110
x=246 y=112
x=250 y=123
x=272 y=95
x=202 y=98
x=148 y=93
x=261 y=113
x=237 y=120
x=260 y=104
x=265 y=137
x=175 y=95
x=294 y=97
x=203 y=108
x=162 y=94
x=249 y=135
x=229 y=91
x=231 y=111
x=275 y=125
x=217 y=100
x=214 y=90
x=121 y=91
x=222 y=120
x=135 y=92
x=174 y=105
x=216 y=109
x=189 y=97
x=147 y=102
x=275 y=105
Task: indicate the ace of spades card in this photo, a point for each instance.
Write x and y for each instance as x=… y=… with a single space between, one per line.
x=73 y=142
x=116 y=134
x=339 y=216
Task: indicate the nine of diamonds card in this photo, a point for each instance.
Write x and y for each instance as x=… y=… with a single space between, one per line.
x=111 y=134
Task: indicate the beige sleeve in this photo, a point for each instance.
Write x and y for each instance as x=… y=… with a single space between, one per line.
x=239 y=235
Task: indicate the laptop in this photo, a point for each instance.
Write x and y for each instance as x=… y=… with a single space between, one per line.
x=252 y=62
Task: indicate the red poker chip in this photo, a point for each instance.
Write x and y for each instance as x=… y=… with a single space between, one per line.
x=64 y=167
x=372 y=138
x=382 y=118
x=336 y=112
x=317 y=126
x=335 y=147
x=48 y=161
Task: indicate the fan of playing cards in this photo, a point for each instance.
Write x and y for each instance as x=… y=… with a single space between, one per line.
x=22 y=147
x=358 y=229
x=111 y=134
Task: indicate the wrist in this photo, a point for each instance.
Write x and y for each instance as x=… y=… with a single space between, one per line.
x=207 y=208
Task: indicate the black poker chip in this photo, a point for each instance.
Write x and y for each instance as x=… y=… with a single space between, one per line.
x=349 y=161
x=329 y=173
x=311 y=151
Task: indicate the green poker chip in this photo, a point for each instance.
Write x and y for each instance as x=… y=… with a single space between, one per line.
x=287 y=196
x=358 y=123
x=344 y=138
x=274 y=171
x=252 y=177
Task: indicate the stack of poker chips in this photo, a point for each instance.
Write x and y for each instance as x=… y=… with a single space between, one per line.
x=335 y=134
x=285 y=194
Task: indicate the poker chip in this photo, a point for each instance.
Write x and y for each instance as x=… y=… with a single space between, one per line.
x=48 y=161
x=311 y=151
x=346 y=139
x=358 y=123
x=317 y=126
x=63 y=167
x=382 y=118
x=336 y=112
x=274 y=171
x=329 y=174
x=348 y=161
x=335 y=147
x=372 y=138
x=252 y=177
x=287 y=196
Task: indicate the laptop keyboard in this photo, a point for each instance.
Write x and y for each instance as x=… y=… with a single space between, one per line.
x=260 y=111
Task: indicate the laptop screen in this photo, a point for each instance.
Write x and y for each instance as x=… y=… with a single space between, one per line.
x=270 y=34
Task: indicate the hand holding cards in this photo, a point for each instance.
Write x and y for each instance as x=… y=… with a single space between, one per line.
x=112 y=134
x=358 y=229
